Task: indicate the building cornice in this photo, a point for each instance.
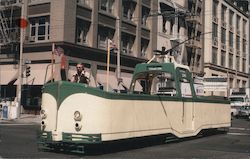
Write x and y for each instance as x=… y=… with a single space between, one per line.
x=225 y=70
x=83 y=52
x=237 y=8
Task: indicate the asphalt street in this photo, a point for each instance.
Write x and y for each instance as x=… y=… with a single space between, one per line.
x=19 y=140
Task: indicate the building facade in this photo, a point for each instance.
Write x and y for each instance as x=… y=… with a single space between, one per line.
x=226 y=49
x=82 y=28
x=212 y=37
x=180 y=23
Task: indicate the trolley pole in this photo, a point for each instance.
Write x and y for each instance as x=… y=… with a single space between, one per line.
x=108 y=62
x=119 y=53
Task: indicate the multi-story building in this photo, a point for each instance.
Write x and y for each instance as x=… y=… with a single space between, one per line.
x=226 y=49
x=82 y=28
x=181 y=21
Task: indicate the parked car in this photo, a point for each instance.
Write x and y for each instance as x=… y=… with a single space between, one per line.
x=244 y=111
x=235 y=111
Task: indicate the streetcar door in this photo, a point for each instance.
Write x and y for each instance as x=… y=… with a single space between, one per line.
x=187 y=99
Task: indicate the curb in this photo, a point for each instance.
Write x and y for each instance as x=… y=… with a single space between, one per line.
x=24 y=119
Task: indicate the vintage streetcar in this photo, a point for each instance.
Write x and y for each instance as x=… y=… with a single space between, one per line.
x=162 y=99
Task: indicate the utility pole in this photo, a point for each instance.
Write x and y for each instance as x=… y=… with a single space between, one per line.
x=20 y=68
x=0 y=73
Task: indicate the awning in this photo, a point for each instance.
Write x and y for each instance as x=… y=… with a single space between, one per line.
x=9 y=75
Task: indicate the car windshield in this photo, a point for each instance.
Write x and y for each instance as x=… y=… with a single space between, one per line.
x=245 y=108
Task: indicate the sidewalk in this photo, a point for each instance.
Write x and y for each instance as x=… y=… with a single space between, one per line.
x=24 y=119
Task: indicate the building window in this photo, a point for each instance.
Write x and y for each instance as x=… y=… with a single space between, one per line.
x=145 y=13
x=83 y=2
x=190 y=30
x=243 y=65
x=244 y=45
x=198 y=59
x=190 y=6
x=223 y=58
x=39 y=28
x=104 y=34
x=238 y=23
x=106 y=5
x=30 y=1
x=231 y=14
x=198 y=36
x=215 y=31
x=231 y=82
x=223 y=13
x=230 y=61
x=198 y=11
x=244 y=26
x=144 y=46
x=171 y=29
x=237 y=63
x=82 y=29
x=215 y=6
x=231 y=39
x=128 y=8
x=238 y=83
x=238 y=43
x=244 y=84
x=223 y=35
x=214 y=56
x=127 y=42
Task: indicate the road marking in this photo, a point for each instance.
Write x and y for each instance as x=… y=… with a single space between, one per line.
x=239 y=134
x=235 y=128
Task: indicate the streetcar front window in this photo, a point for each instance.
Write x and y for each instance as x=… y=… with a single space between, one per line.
x=155 y=83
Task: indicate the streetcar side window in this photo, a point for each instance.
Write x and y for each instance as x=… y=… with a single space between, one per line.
x=185 y=84
x=142 y=84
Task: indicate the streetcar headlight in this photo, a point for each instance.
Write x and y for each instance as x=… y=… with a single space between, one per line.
x=43 y=125
x=77 y=116
x=43 y=114
x=78 y=126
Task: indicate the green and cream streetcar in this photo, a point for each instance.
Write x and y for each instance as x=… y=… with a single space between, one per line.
x=161 y=99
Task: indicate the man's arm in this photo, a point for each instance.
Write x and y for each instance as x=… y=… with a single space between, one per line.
x=73 y=79
x=87 y=75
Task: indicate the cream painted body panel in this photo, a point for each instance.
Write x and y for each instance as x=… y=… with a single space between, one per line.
x=49 y=104
x=119 y=119
x=212 y=115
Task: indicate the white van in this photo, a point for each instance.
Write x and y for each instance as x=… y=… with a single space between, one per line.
x=238 y=100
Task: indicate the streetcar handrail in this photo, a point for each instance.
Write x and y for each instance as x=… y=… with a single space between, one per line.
x=47 y=70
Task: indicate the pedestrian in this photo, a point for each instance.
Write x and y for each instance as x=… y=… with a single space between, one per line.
x=81 y=75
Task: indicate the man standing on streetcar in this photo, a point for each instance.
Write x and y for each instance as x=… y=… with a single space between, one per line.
x=81 y=75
